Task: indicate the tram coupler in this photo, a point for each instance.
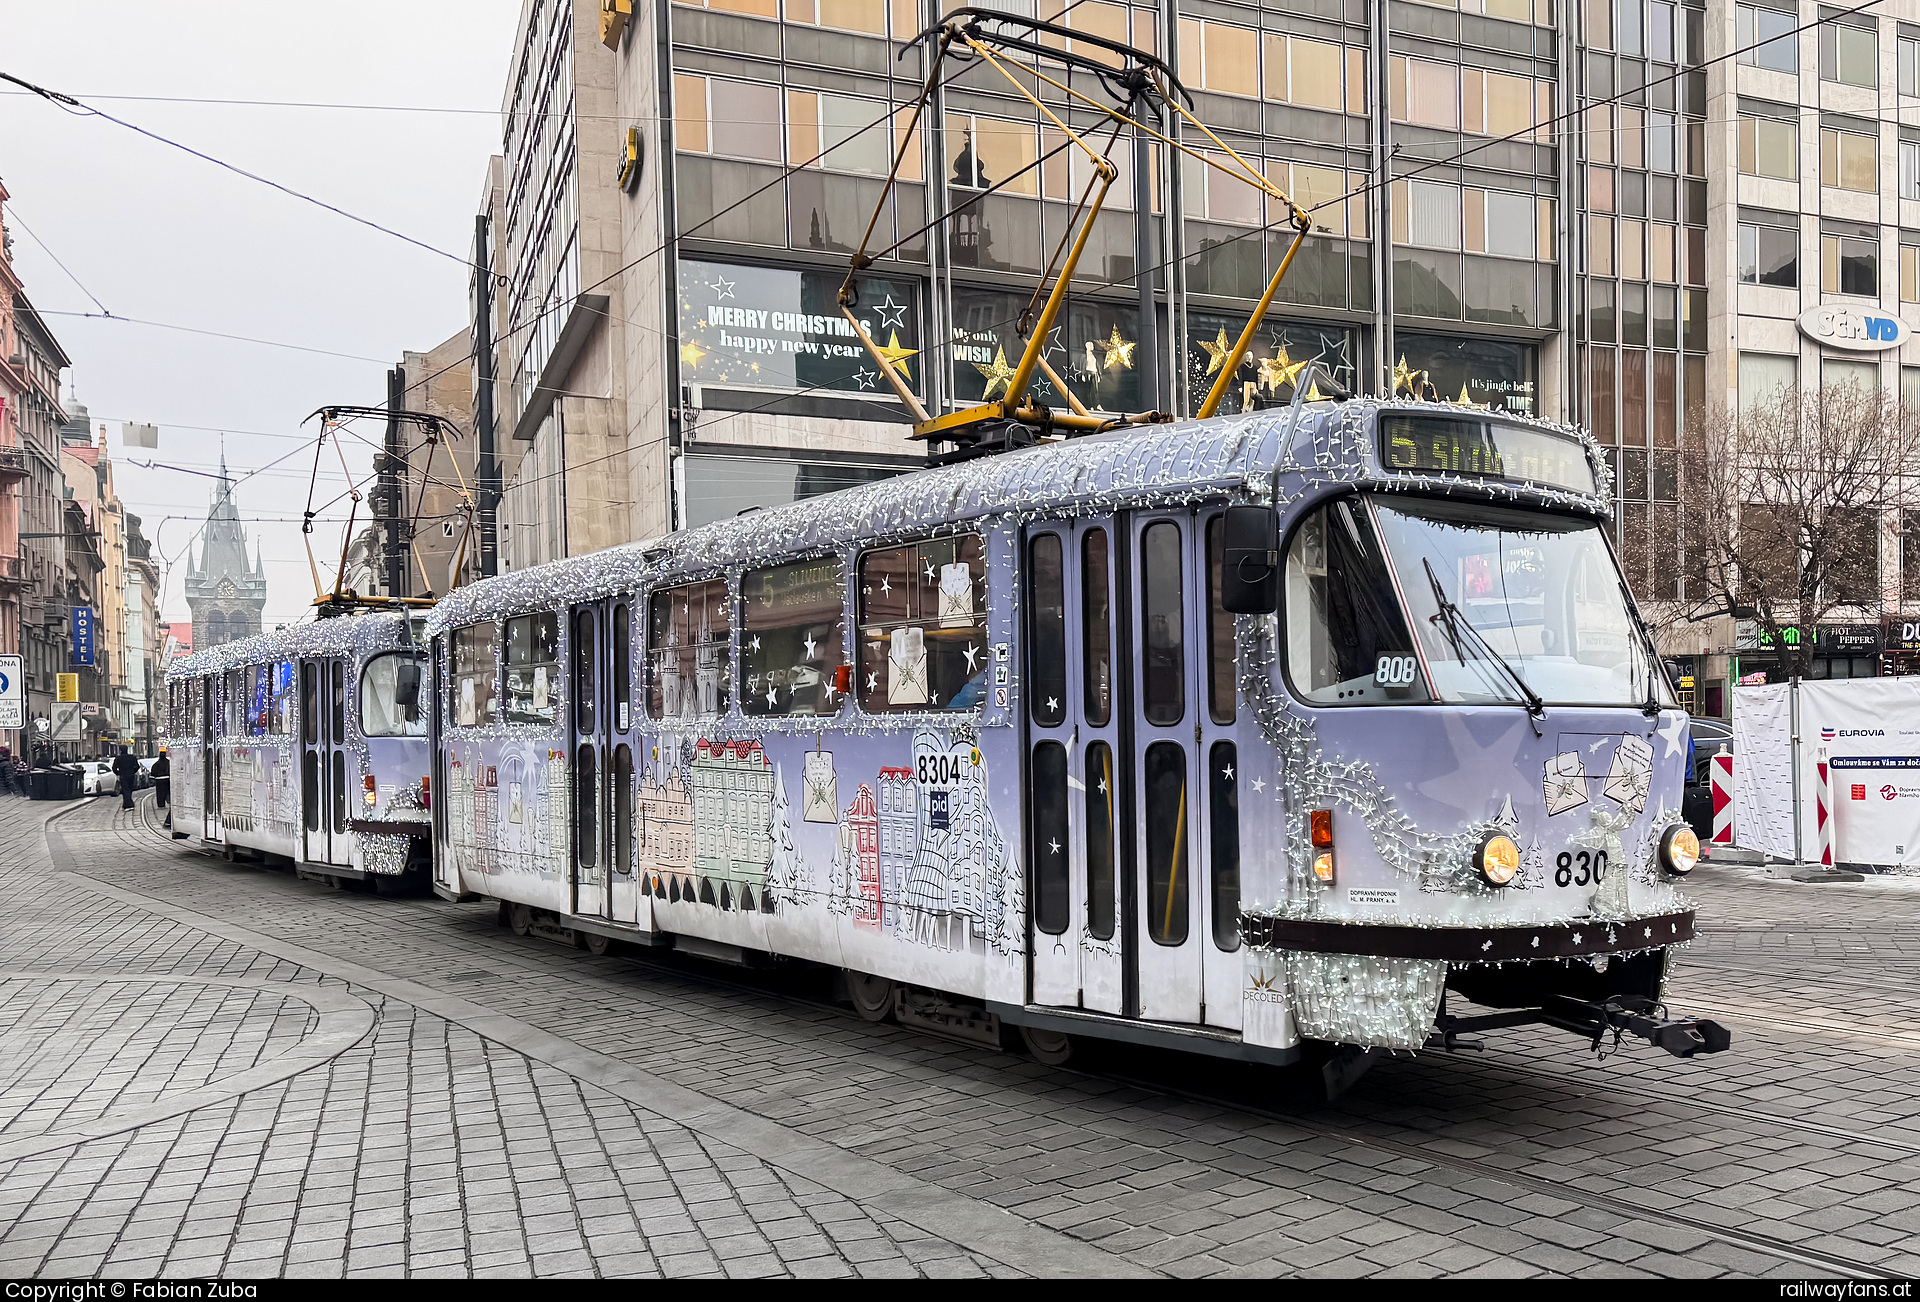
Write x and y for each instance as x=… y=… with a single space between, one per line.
x=1683 y=1037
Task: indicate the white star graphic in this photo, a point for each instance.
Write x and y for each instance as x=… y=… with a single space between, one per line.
x=809 y=645
x=891 y=313
x=886 y=584
x=972 y=653
x=1259 y=784
x=872 y=681
x=773 y=695
x=723 y=289
x=1672 y=726
x=930 y=573
x=1054 y=846
x=865 y=378
x=1052 y=704
x=1576 y=938
x=1227 y=772
x=756 y=642
x=1101 y=786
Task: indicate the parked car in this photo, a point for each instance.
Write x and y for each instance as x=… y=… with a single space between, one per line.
x=1696 y=798
x=96 y=777
x=146 y=772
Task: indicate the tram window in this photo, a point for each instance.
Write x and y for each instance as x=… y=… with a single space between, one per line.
x=280 y=698
x=688 y=663
x=533 y=667
x=260 y=699
x=1051 y=850
x=584 y=681
x=339 y=792
x=1223 y=839
x=623 y=809
x=1167 y=819
x=586 y=817
x=476 y=671
x=1100 y=910
x=337 y=691
x=390 y=697
x=1096 y=605
x=310 y=788
x=792 y=638
x=1347 y=642
x=1163 y=673
x=923 y=626
x=309 y=703
x=1221 y=671
x=236 y=711
x=622 y=668
x=1046 y=632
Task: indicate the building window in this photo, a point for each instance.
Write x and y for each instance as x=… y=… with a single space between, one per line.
x=1909 y=66
x=1306 y=73
x=1502 y=224
x=869 y=16
x=1753 y=25
x=731 y=119
x=1849 y=54
x=983 y=152
x=1835 y=374
x=1909 y=274
x=837 y=132
x=1764 y=377
x=1849 y=266
x=1426 y=214
x=1222 y=57
x=1849 y=161
x=1769 y=255
x=1909 y=169
x=1424 y=92
x=752 y=8
x=1769 y=147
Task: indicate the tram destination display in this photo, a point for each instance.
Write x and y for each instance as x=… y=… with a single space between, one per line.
x=1464 y=446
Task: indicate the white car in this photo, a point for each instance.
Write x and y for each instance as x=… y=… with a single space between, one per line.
x=97 y=777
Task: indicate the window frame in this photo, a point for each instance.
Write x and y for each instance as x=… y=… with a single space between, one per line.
x=360 y=694
x=453 y=674
x=650 y=670
x=857 y=625
x=740 y=629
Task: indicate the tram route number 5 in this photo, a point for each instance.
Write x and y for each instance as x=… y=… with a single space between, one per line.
x=1395 y=671
x=1579 y=869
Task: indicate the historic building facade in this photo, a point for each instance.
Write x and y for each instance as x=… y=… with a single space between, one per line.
x=225 y=592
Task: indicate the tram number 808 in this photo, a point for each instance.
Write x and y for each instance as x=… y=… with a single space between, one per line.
x=1580 y=869
x=1395 y=671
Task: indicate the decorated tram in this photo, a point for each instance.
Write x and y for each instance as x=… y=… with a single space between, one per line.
x=1243 y=736
x=308 y=745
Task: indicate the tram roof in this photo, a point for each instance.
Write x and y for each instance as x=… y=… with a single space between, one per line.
x=339 y=635
x=1138 y=466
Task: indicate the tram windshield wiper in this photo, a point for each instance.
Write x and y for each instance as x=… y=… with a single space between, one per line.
x=1454 y=622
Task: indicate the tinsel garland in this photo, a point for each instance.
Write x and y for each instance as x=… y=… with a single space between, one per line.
x=1377 y=1003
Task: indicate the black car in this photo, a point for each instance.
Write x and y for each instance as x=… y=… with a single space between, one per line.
x=1707 y=736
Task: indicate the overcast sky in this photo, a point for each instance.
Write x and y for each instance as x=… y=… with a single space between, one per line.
x=161 y=236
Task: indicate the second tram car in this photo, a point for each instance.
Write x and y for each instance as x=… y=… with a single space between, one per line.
x=309 y=744
x=1231 y=736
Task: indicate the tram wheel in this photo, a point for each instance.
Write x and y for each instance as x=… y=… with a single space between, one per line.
x=520 y=918
x=872 y=996
x=594 y=943
x=1053 y=1048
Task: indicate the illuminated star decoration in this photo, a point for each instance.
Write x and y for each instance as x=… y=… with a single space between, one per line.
x=891 y=313
x=865 y=378
x=1280 y=369
x=723 y=289
x=895 y=355
x=1403 y=377
x=999 y=375
x=691 y=353
x=1119 y=352
x=1217 y=351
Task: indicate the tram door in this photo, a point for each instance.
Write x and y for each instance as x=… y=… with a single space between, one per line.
x=325 y=803
x=1173 y=744
x=209 y=689
x=1075 y=763
x=602 y=722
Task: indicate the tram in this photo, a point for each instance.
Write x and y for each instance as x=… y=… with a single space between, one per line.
x=1243 y=736
x=309 y=744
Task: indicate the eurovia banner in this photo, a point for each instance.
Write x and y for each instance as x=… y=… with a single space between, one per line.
x=1870 y=729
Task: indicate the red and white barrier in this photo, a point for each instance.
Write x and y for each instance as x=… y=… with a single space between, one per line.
x=1721 y=770
x=1823 y=806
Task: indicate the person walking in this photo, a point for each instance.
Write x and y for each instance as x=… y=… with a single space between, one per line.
x=161 y=773
x=8 y=786
x=127 y=769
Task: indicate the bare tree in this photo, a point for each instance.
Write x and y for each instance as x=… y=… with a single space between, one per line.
x=1784 y=508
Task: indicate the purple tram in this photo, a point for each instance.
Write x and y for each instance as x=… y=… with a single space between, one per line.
x=309 y=744
x=1249 y=736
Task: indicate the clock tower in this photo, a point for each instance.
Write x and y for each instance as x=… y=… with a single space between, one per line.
x=225 y=592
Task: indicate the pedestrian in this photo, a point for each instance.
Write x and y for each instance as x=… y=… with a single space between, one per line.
x=7 y=784
x=127 y=769
x=162 y=783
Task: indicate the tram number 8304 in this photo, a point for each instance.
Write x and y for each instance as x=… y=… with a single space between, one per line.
x=1395 y=671
x=1580 y=869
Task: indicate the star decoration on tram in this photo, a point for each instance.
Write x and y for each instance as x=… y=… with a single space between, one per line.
x=809 y=644
x=972 y=653
x=1227 y=772
x=891 y=313
x=931 y=575
x=1670 y=730
x=1259 y=784
x=1053 y=846
x=1052 y=704
x=773 y=695
x=886 y=584
x=1118 y=351
x=999 y=375
x=756 y=642
x=873 y=682
x=1217 y=351
x=1101 y=786
x=896 y=356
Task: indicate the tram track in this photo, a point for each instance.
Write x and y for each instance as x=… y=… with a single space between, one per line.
x=1412 y=1147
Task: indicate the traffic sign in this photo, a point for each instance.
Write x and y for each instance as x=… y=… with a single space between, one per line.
x=13 y=692
x=66 y=687
x=66 y=721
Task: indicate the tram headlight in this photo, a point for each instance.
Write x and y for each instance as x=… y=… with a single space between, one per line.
x=1679 y=849
x=1498 y=859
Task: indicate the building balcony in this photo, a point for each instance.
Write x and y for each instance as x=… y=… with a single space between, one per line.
x=13 y=461
x=13 y=572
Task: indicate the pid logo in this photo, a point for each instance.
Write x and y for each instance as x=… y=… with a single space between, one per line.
x=1887 y=792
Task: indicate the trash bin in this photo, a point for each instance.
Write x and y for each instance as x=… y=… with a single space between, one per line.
x=54 y=784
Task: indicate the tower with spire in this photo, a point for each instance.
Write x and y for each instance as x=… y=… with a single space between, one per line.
x=226 y=592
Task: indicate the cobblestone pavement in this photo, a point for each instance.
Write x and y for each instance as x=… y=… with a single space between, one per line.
x=210 y=1067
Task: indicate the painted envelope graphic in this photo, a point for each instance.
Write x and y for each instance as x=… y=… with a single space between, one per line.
x=1630 y=779
x=1566 y=783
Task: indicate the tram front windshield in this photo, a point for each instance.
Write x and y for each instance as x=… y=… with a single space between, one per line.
x=1540 y=592
x=1406 y=600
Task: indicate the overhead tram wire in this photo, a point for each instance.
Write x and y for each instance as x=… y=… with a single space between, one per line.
x=69 y=104
x=104 y=315
x=47 y=249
